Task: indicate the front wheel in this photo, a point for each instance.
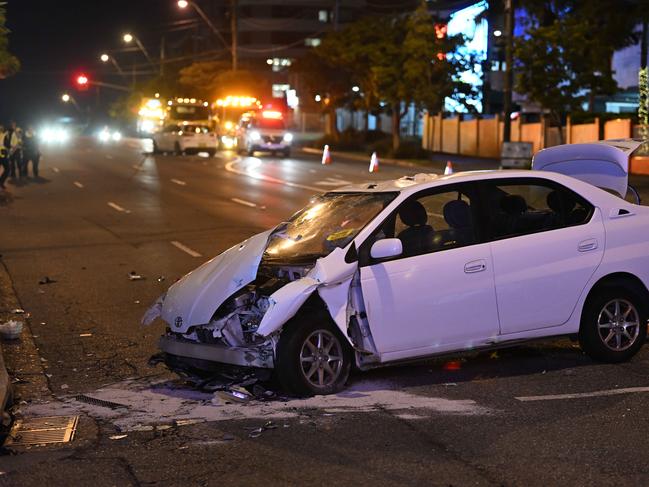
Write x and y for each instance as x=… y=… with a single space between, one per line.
x=312 y=357
x=614 y=325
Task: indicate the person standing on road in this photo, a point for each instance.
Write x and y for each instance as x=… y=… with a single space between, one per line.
x=7 y=144
x=4 y=159
x=17 y=151
x=31 y=152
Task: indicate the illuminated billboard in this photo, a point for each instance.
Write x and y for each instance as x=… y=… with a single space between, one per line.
x=476 y=32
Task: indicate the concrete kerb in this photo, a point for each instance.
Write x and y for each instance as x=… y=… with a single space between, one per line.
x=7 y=297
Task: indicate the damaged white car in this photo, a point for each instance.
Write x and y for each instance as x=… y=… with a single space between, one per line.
x=381 y=273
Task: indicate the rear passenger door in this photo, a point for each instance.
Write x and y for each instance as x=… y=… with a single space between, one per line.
x=546 y=243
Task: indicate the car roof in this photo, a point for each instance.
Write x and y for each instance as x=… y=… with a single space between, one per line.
x=412 y=184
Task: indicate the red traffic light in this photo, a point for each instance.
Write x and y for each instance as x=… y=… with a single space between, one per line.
x=82 y=81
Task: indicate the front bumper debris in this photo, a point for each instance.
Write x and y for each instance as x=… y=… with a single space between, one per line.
x=243 y=356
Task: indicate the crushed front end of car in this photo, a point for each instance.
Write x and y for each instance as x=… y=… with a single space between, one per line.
x=227 y=316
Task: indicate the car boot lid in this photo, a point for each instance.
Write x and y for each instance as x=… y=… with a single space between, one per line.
x=604 y=164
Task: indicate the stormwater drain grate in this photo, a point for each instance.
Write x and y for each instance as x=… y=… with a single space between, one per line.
x=42 y=431
x=99 y=402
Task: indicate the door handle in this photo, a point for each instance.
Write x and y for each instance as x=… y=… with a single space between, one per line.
x=586 y=245
x=475 y=266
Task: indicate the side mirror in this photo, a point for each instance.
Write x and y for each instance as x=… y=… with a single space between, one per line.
x=387 y=247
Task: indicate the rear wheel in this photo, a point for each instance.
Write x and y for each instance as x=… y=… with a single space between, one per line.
x=312 y=357
x=614 y=324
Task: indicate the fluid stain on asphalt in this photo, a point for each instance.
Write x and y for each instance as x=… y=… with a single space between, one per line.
x=157 y=402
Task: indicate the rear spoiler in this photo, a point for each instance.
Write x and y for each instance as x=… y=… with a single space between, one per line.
x=604 y=164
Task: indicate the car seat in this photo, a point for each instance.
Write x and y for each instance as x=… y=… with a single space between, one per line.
x=457 y=214
x=418 y=237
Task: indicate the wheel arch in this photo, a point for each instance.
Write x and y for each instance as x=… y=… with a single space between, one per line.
x=623 y=279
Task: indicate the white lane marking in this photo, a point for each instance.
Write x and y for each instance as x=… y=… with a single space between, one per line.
x=333 y=182
x=185 y=249
x=244 y=202
x=255 y=175
x=55 y=169
x=179 y=182
x=610 y=392
x=108 y=156
x=78 y=184
x=116 y=207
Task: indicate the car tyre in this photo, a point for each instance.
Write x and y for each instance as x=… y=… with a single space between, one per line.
x=312 y=357
x=286 y=153
x=614 y=324
x=156 y=149
x=177 y=150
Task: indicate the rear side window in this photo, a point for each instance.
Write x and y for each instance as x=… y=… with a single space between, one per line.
x=524 y=206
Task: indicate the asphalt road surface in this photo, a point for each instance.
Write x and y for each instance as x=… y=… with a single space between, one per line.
x=542 y=414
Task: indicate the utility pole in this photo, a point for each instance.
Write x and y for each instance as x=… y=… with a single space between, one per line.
x=162 y=57
x=509 y=71
x=235 y=34
x=643 y=45
x=336 y=14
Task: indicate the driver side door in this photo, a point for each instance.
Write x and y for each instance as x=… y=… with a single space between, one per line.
x=439 y=294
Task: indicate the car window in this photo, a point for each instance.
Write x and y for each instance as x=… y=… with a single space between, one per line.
x=196 y=129
x=522 y=207
x=429 y=222
x=268 y=124
x=330 y=221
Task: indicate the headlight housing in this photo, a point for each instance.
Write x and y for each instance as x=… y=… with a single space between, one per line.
x=288 y=137
x=254 y=135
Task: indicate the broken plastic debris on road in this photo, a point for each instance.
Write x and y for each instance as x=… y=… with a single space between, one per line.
x=134 y=276
x=151 y=401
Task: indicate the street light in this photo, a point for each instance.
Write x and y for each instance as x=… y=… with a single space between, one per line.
x=183 y=4
x=67 y=98
x=128 y=38
x=104 y=58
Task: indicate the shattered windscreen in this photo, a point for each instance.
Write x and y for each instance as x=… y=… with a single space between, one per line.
x=328 y=222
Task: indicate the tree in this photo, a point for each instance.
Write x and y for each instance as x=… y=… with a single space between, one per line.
x=321 y=76
x=399 y=61
x=564 y=57
x=9 y=64
x=214 y=79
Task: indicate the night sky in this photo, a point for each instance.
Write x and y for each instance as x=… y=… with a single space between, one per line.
x=54 y=39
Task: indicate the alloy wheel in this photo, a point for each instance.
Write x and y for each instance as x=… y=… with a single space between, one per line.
x=321 y=359
x=618 y=325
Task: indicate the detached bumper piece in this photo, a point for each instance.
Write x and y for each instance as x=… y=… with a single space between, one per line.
x=245 y=357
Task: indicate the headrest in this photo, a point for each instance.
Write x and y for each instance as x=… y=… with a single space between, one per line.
x=513 y=204
x=457 y=214
x=560 y=202
x=413 y=213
